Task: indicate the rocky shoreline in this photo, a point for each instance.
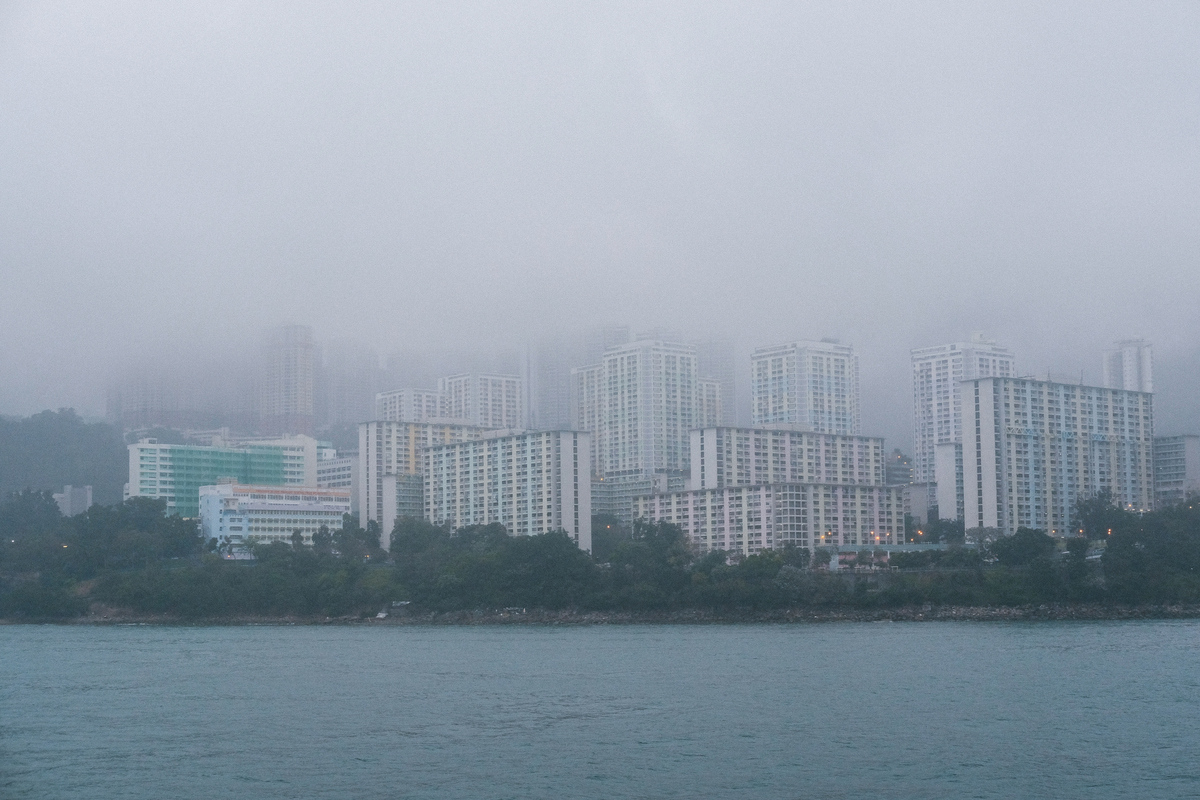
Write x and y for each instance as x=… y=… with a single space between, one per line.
x=101 y=615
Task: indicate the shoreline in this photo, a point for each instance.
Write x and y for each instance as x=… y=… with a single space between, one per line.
x=496 y=617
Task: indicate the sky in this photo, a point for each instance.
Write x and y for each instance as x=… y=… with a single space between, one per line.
x=174 y=178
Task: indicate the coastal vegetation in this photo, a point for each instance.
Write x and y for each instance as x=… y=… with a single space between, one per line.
x=132 y=559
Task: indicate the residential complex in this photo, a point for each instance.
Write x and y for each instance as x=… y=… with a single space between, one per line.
x=410 y=405
x=641 y=402
x=387 y=453
x=937 y=405
x=750 y=519
x=487 y=401
x=531 y=482
x=779 y=454
x=813 y=385
x=1176 y=469
x=175 y=473
x=1032 y=449
x=235 y=513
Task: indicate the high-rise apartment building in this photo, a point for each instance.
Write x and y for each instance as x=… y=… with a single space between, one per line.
x=390 y=455
x=286 y=382
x=410 y=405
x=750 y=456
x=641 y=402
x=1032 y=449
x=175 y=473
x=716 y=360
x=813 y=385
x=1176 y=469
x=1129 y=365
x=487 y=401
x=937 y=406
x=533 y=482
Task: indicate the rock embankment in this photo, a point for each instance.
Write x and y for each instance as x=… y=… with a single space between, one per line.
x=102 y=615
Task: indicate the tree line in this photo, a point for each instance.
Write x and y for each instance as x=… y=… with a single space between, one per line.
x=131 y=556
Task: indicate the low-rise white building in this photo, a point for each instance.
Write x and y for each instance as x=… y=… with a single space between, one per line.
x=531 y=482
x=751 y=519
x=234 y=513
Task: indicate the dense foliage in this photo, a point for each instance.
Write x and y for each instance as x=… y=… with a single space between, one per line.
x=130 y=556
x=52 y=449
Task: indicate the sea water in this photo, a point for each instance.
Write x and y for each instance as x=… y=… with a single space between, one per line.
x=987 y=710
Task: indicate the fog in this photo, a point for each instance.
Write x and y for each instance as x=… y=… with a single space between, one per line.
x=175 y=179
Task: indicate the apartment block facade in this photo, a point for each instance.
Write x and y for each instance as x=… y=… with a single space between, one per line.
x=236 y=513
x=780 y=454
x=486 y=401
x=751 y=519
x=812 y=385
x=1031 y=449
x=532 y=482
x=1176 y=469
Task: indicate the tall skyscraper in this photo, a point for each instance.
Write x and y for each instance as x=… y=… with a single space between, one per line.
x=286 y=381
x=1129 y=365
x=937 y=404
x=813 y=385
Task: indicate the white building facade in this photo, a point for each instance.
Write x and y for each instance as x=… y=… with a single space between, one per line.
x=812 y=385
x=235 y=513
x=937 y=406
x=487 y=401
x=751 y=519
x=410 y=405
x=1032 y=449
x=389 y=453
x=781 y=454
x=531 y=482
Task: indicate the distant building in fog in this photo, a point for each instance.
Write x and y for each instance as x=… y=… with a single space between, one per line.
x=899 y=469
x=410 y=405
x=286 y=382
x=73 y=500
x=1129 y=365
x=488 y=401
x=810 y=384
x=1176 y=469
x=347 y=381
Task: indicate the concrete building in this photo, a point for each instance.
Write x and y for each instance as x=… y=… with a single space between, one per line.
x=285 y=396
x=1176 y=469
x=235 y=513
x=751 y=519
x=1032 y=449
x=782 y=454
x=73 y=500
x=640 y=403
x=389 y=453
x=486 y=401
x=175 y=473
x=410 y=405
x=937 y=407
x=1129 y=365
x=716 y=360
x=899 y=469
x=531 y=482
x=813 y=385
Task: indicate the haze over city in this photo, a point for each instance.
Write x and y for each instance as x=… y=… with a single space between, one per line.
x=175 y=181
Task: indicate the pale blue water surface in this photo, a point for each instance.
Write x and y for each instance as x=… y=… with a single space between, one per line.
x=1063 y=710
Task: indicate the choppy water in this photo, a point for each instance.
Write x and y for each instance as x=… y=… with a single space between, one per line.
x=1070 y=710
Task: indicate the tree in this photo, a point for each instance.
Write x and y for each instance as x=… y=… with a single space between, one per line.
x=1022 y=548
x=297 y=540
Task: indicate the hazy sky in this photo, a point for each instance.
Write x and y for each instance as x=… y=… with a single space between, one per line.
x=176 y=177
